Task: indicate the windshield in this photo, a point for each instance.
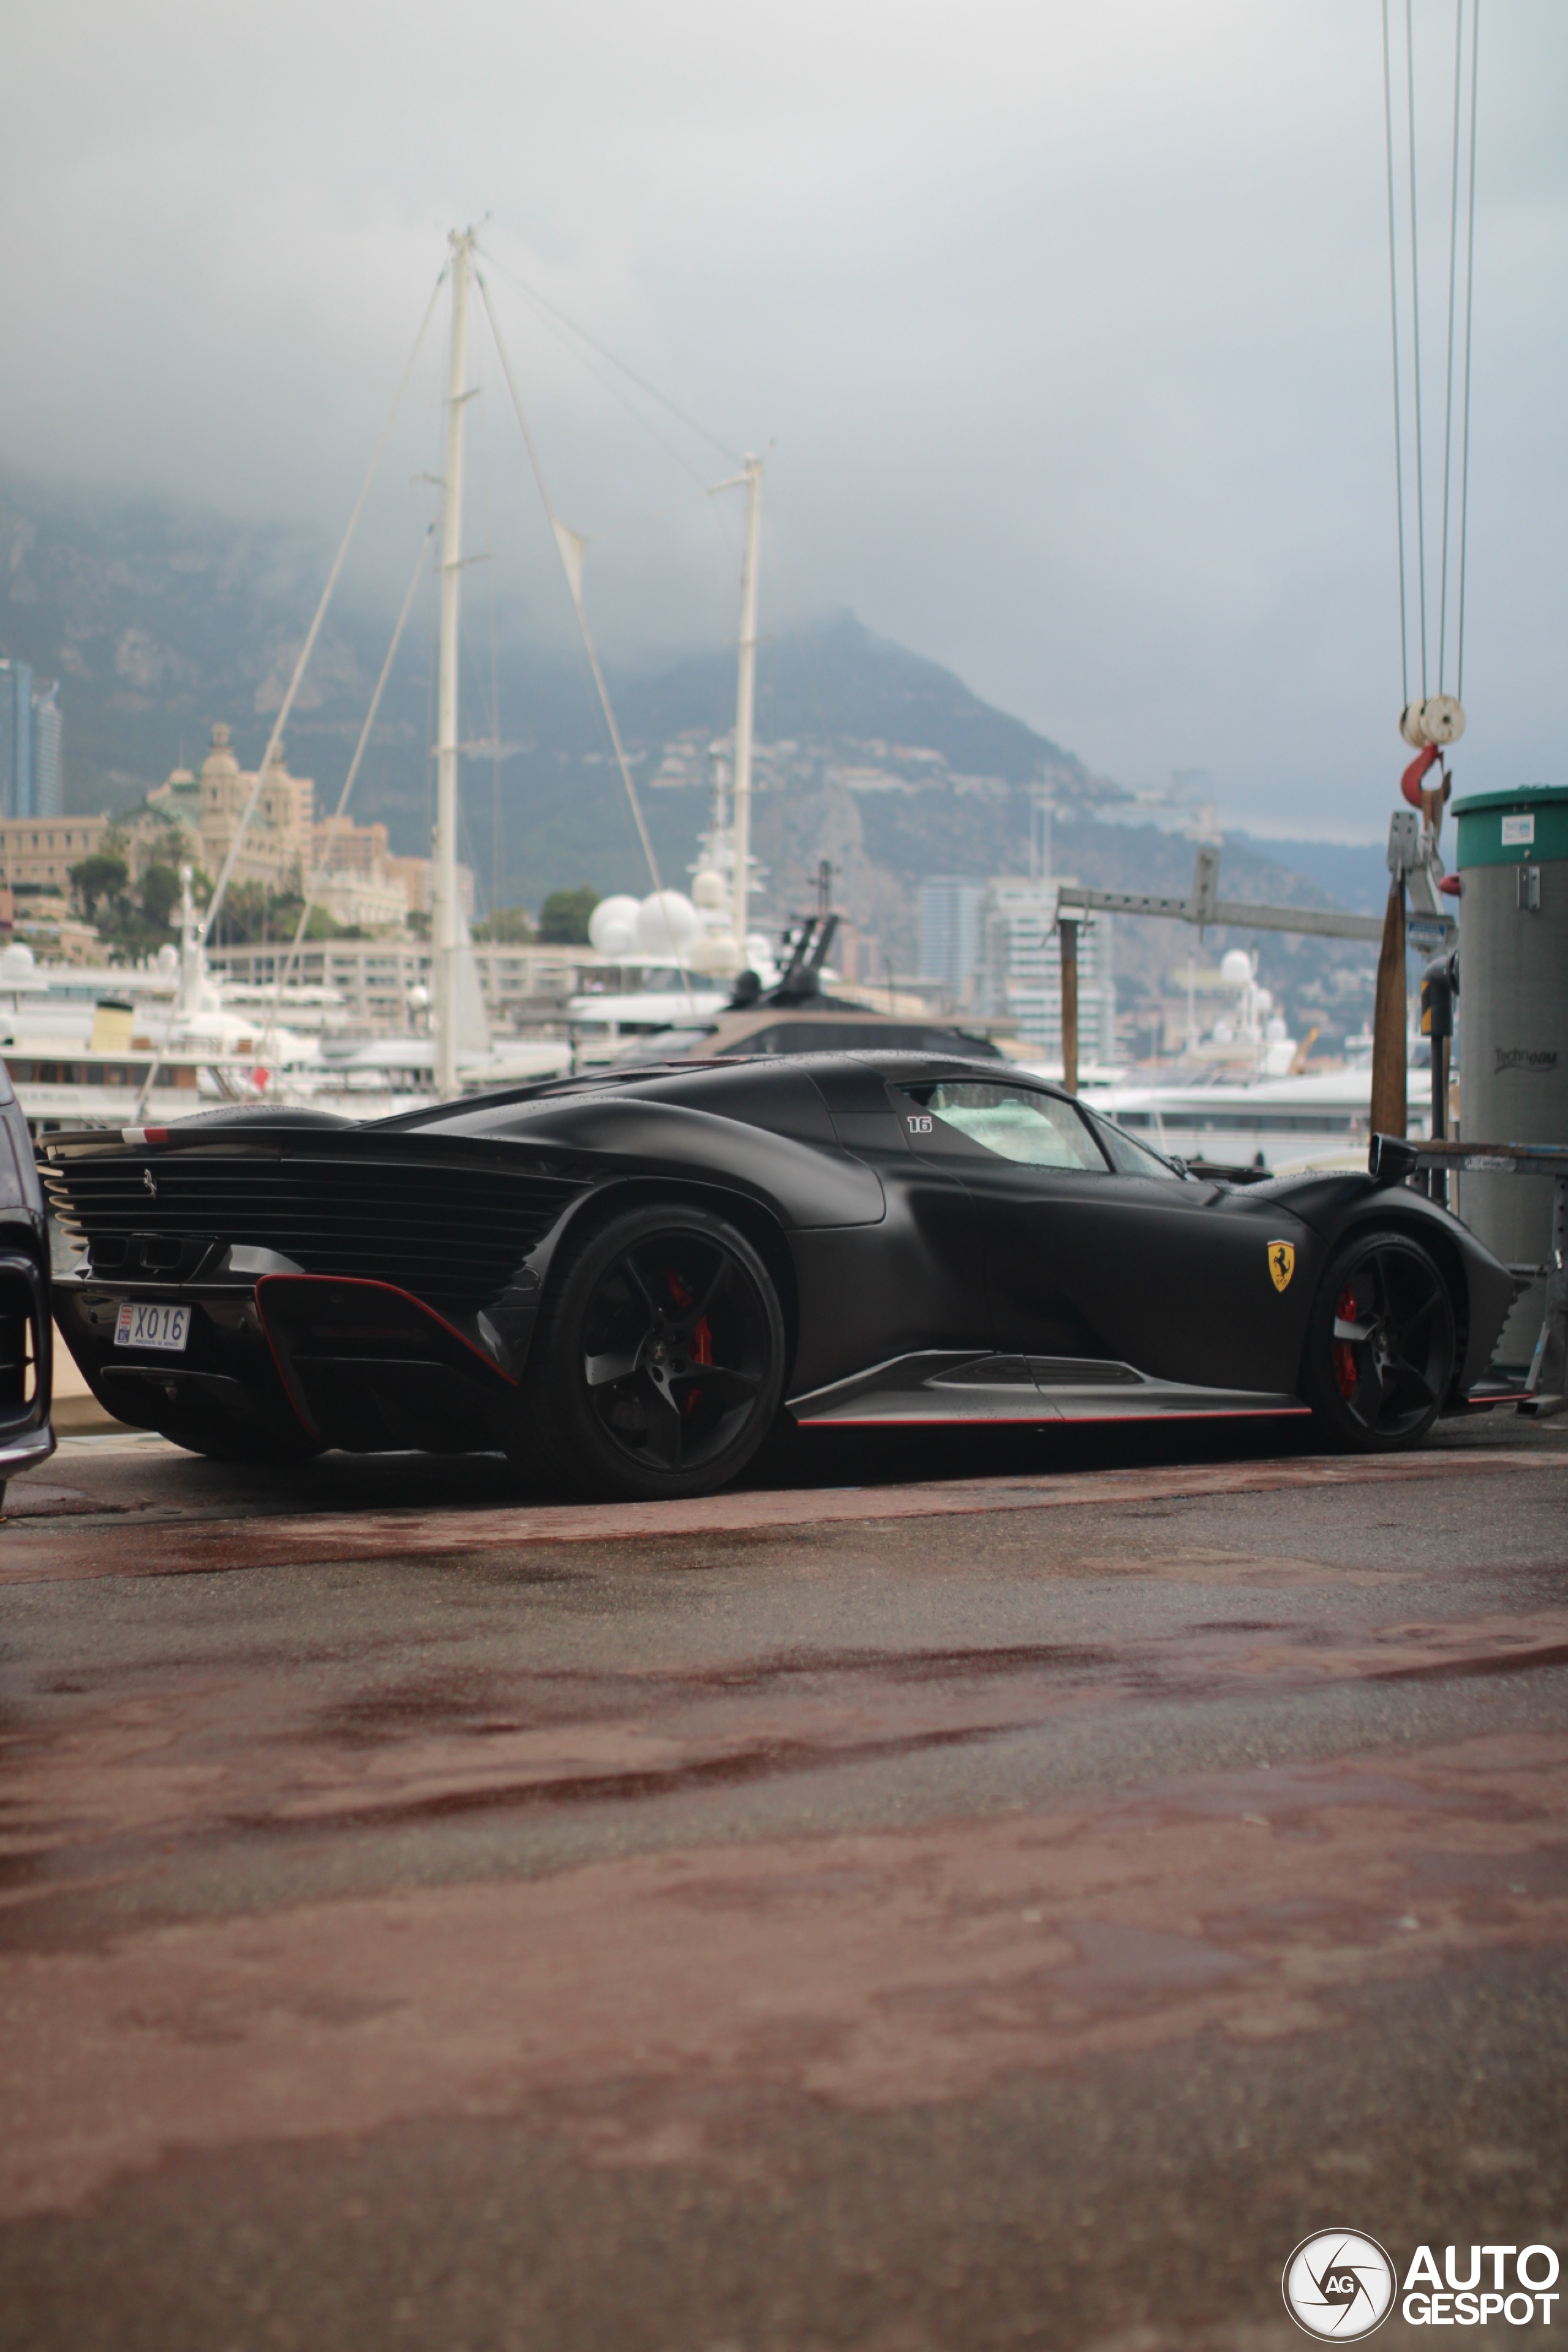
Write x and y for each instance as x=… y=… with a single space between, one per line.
x=1131 y=1158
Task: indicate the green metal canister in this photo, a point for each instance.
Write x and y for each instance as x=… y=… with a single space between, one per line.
x=1513 y=1021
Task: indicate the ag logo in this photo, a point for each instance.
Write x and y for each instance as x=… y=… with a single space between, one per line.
x=1337 y=2285
x=1282 y=1264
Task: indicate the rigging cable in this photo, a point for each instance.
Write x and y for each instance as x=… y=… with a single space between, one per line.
x=309 y=892
x=556 y=321
x=1398 y=405
x=641 y=382
x=309 y=646
x=565 y=539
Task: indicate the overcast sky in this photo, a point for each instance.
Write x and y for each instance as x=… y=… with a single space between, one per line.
x=1067 y=324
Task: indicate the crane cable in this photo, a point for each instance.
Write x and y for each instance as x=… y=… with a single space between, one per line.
x=1470 y=292
x=1398 y=403
x=1419 y=453
x=1415 y=336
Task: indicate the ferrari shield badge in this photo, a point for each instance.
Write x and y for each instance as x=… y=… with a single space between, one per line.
x=1282 y=1264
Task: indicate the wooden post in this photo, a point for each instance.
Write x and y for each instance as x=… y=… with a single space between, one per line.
x=1390 y=1102
x=1069 y=931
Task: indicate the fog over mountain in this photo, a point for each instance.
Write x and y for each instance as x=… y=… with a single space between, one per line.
x=160 y=619
x=1067 y=330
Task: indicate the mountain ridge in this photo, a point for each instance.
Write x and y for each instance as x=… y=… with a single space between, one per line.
x=161 y=618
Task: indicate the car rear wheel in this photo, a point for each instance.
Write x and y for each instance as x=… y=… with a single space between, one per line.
x=658 y=1365
x=1380 y=1344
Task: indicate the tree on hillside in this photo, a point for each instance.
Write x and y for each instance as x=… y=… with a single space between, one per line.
x=131 y=918
x=96 y=879
x=563 y=917
x=160 y=895
x=252 y=915
x=509 y=927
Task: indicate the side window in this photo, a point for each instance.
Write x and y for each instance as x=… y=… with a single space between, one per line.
x=1040 y=1130
x=1131 y=1158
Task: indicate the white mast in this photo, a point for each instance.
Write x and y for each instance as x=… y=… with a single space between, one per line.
x=444 y=910
x=744 y=697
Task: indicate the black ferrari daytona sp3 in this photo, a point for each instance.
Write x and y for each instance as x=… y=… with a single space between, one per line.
x=624 y=1280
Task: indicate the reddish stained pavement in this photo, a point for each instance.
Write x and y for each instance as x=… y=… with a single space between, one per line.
x=186 y=1543
x=1003 y=1909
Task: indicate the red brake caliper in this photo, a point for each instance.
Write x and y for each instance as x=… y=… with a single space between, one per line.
x=701 y=1338
x=1344 y=1351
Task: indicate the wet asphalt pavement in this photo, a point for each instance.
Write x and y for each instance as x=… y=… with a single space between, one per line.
x=948 y=1895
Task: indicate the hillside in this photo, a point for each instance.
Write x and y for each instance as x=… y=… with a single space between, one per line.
x=159 y=619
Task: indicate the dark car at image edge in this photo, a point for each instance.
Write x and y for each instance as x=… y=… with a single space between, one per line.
x=626 y=1280
x=27 y=1438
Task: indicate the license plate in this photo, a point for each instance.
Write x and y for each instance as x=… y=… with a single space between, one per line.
x=152 y=1326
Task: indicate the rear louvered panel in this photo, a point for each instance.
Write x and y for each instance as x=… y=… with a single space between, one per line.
x=437 y=1231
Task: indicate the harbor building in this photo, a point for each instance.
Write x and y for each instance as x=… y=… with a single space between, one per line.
x=15 y=739
x=1021 y=978
x=49 y=775
x=951 y=934
x=277 y=849
x=36 y=855
x=32 y=783
x=353 y=879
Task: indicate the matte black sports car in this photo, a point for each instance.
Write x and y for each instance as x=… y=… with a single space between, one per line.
x=25 y=1330
x=624 y=1279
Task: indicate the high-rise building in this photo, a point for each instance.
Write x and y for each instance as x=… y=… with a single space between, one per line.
x=17 y=739
x=951 y=933
x=1022 y=973
x=48 y=776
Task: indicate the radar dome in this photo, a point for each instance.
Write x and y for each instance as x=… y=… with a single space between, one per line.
x=612 y=926
x=715 y=952
x=667 y=922
x=708 y=891
x=1236 y=968
x=17 y=962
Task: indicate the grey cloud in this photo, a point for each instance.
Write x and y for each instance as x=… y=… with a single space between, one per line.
x=1069 y=325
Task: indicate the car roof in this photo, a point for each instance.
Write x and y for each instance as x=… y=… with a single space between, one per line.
x=903 y=1065
x=741 y=1022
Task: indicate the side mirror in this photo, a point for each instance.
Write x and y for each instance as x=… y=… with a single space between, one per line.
x=1391 y=1158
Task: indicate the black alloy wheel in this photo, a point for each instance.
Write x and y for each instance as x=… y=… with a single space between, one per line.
x=1381 y=1344
x=658 y=1365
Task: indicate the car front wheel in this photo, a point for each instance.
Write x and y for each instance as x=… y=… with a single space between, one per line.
x=1380 y=1344
x=659 y=1366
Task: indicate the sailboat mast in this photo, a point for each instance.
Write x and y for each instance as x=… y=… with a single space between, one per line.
x=745 y=692
x=443 y=896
